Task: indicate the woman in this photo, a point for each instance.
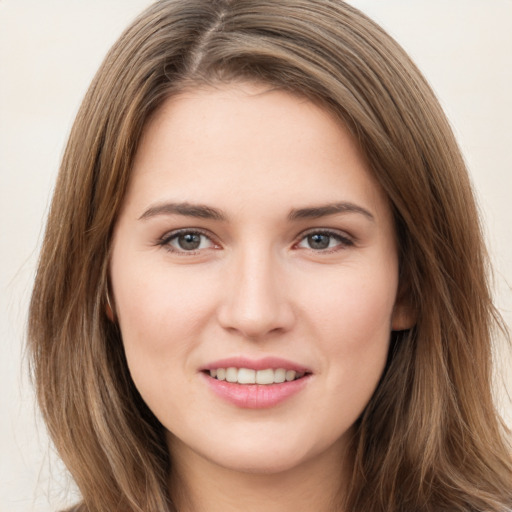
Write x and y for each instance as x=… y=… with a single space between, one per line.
x=263 y=283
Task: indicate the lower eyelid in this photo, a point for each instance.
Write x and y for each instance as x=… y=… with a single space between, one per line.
x=344 y=240
x=165 y=240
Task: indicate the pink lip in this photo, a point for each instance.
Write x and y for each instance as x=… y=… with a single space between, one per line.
x=256 y=364
x=255 y=396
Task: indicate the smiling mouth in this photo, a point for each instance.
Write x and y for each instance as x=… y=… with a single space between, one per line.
x=248 y=376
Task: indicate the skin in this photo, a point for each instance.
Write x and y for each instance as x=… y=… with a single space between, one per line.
x=255 y=286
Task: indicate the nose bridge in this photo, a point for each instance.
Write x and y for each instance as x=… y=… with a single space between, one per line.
x=256 y=302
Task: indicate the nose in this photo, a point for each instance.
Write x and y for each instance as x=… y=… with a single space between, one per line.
x=257 y=301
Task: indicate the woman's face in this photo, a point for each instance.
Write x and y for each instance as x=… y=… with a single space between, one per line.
x=254 y=247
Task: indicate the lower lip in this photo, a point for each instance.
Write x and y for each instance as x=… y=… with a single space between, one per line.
x=256 y=396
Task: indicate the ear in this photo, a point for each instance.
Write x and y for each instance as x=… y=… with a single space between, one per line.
x=110 y=313
x=109 y=310
x=404 y=314
x=403 y=318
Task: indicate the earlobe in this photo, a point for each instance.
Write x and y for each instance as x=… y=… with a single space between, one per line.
x=109 y=310
x=403 y=317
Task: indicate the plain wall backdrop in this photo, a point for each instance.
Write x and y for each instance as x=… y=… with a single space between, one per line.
x=49 y=51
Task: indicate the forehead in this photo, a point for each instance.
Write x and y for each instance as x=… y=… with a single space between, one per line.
x=248 y=139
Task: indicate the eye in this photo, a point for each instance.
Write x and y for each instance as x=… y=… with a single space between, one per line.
x=187 y=241
x=324 y=241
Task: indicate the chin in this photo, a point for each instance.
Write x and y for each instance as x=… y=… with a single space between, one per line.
x=274 y=454
x=262 y=462
x=252 y=454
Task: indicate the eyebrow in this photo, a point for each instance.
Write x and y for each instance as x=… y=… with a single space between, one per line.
x=187 y=209
x=207 y=212
x=317 y=212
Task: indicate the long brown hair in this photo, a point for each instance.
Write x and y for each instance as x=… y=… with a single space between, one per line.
x=430 y=438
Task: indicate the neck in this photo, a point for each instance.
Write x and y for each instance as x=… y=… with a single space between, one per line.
x=199 y=485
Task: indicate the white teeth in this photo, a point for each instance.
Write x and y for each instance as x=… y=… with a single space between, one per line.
x=265 y=376
x=232 y=375
x=248 y=376
x=290 y=375
x=279 y=375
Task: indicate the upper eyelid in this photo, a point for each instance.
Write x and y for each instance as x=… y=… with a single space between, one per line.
x=169 y=235
x=166 y=239
x=327 y=231
x=345 y=241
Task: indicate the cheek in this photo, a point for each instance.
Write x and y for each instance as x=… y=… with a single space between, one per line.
x=159 y=312
x=354 y=306
x=352 y=321
x=161 y=317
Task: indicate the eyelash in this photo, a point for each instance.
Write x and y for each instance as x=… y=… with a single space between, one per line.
x=166 y=240
x=344 y=241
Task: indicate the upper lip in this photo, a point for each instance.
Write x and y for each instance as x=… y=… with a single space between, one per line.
x=256 y=364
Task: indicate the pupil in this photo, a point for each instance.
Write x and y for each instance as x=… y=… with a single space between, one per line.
x=189 y=241
x=319 y=241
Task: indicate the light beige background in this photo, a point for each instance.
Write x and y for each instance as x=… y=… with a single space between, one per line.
x=49 y=50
